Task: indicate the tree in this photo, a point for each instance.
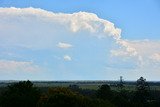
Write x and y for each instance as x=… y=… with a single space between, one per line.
x=142 y=90
x=21 y=94
x=64 y=97
x=104 y=92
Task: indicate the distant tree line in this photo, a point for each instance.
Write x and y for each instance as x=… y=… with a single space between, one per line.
x=24 y=94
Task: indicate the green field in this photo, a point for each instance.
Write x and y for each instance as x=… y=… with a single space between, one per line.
x=93 y=85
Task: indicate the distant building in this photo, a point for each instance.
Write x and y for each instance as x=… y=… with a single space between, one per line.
x=121 y=83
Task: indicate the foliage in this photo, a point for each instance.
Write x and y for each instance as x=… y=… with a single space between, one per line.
x=104 y=92
x=21 y=94
x=24 y=94
x=142 y=93
x=64 y=97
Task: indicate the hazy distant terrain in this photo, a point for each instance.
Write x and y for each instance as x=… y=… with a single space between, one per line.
x=129 y=85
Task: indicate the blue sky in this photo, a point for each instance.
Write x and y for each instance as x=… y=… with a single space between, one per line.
x=38 y=45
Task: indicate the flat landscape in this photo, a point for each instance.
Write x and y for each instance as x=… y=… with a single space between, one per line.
x=93 y=85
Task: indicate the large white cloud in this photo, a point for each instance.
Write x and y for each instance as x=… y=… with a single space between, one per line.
x=37 y=28
x=34 y=28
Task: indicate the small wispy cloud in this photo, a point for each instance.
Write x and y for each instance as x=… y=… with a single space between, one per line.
x=67 y=58
x=18 y=66
x=143 y=52
x=64 y=45
x=156 y=57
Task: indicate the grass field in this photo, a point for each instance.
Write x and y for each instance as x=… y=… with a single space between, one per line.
x=93 y=85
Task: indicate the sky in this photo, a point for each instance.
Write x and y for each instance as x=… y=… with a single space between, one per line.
x=79 y=39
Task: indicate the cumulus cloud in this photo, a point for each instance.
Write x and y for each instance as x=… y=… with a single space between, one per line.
x=67 y=58
x=42 y=28
x=38 y=28
x=16 y=66
x=64 y=45
x=48 y=26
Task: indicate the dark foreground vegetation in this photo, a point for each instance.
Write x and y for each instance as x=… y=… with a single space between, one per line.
x=24 y=94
